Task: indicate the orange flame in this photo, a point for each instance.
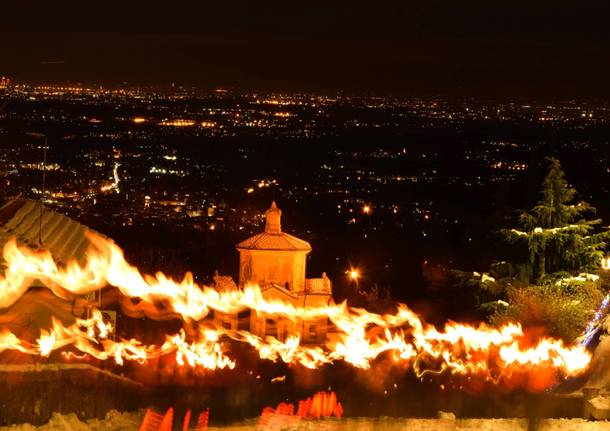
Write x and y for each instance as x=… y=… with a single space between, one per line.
x=322 y=405
x=358 y=339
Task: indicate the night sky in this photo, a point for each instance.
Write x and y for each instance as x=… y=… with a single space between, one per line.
x=454 y=47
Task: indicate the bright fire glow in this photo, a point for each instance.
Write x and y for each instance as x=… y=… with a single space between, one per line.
x=358 y=336
x=322 y=405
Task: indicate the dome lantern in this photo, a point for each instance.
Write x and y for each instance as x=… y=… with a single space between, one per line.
x=273 y=219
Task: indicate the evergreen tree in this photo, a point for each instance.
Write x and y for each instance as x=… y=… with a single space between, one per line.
x=557 y=233
x=556 y=287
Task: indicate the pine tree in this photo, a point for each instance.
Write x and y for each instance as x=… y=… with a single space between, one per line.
x=558 y=285
x=557 y=233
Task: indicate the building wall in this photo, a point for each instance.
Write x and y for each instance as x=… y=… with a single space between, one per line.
x=263 y=325
x=284 y=268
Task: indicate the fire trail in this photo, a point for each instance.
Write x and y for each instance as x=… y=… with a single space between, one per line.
x=359 y=337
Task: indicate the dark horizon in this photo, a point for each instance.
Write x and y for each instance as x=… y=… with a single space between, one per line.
x=474 y=48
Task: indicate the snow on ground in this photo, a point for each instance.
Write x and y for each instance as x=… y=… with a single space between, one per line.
x=600 y=402
x=391 y=424
x=116 y=421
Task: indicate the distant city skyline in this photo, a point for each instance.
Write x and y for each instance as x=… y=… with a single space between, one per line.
x=413 y=48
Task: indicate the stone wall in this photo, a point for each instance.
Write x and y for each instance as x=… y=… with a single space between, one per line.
x=32 y=392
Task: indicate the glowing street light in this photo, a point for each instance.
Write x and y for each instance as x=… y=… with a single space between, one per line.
x=366 y=209
x=354 y=274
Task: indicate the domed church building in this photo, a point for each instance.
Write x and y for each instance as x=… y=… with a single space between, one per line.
x=276 y=261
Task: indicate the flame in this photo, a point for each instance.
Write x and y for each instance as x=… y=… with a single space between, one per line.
x=322 y=405
x=358 y=338
x=90 y=336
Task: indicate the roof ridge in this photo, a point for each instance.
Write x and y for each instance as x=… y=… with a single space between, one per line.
x=274 y=241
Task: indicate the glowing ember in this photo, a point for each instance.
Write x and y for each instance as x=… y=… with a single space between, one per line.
x=359 y=337
x=154 y=421
x=322 y=405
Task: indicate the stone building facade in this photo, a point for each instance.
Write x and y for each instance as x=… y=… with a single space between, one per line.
x=276 y=262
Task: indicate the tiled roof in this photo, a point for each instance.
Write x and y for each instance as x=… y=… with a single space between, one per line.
x=273 y=238
x=62 y=236
x=274 y=241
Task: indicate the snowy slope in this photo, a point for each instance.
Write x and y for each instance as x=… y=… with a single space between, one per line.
x=115 y=421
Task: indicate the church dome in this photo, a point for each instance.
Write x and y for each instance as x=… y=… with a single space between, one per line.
x=273 y=238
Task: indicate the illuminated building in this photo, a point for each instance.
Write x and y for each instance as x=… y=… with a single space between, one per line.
x=4 y=82
x=276 y=262
x=273 y=257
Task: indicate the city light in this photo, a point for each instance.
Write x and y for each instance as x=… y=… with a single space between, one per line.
x=224 y=217
x=354 y=274
x=177 y=123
